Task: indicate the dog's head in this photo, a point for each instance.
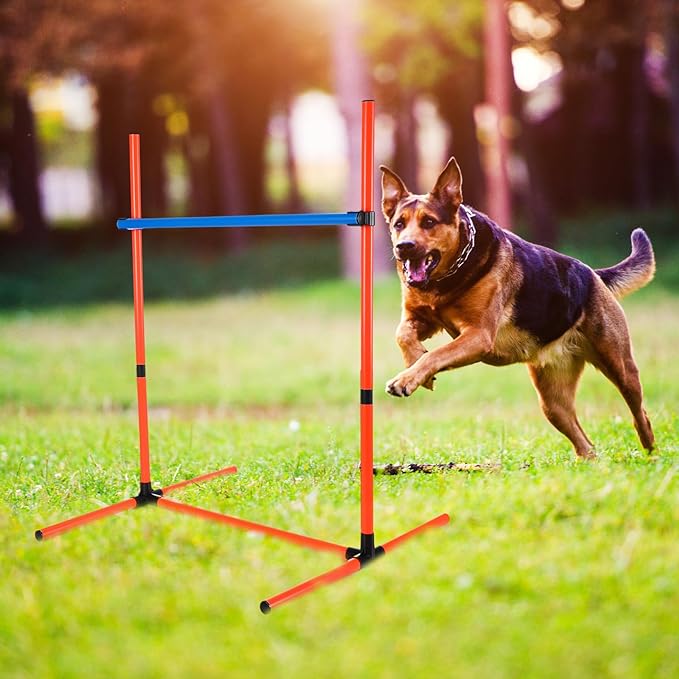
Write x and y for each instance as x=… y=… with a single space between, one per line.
x=425 y=229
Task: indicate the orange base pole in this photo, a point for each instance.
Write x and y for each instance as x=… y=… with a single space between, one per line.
x=354 y=564
x=436 y=522
x=346 y=569
x=96 y=515
x=158 y=497
x=131 y=503
x=199 y=479
x=295 y=538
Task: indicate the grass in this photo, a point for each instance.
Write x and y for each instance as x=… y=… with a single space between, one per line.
x=549 y=566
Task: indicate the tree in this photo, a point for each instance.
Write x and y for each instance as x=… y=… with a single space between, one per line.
x=670 y=14
x=135 y=55
x=431 y=49
x=603 y=143
x=24 y=172
x=498 y=97
x=352 y=85
x=18 y=138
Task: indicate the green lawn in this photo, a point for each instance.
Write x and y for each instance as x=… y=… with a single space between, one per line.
x=550 y=567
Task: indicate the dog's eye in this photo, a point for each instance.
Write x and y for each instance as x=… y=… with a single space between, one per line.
x=399 y=225
x=428 y=223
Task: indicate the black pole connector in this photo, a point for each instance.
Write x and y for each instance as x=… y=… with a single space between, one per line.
x=366 y=397
x=147 y=495
x=367 y=553
x=365 y=218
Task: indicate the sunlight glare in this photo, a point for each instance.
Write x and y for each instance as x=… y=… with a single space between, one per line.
x=531 y=68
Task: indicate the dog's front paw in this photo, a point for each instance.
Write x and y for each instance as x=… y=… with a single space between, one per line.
x=403 y=384
x=429 y=384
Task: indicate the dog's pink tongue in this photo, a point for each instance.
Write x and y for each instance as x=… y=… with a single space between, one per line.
x=417 y=270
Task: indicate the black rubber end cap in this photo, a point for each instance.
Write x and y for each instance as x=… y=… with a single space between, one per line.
x=264 y=607
x=38 y=535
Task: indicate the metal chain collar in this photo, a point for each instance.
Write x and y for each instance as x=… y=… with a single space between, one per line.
x=467 y=250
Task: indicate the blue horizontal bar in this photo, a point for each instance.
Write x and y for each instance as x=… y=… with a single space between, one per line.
x=231 y=221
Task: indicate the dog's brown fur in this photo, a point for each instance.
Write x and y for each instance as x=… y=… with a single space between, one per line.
x=511 y=302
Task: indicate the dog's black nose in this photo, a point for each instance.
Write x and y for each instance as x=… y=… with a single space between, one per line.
x=405 y=246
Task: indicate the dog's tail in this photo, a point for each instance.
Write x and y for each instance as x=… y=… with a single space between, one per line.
x=635 y=271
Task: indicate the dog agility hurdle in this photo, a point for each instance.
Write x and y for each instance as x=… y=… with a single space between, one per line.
x=354 y=557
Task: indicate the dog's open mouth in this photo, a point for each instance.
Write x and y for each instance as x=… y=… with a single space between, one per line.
x=417 y=270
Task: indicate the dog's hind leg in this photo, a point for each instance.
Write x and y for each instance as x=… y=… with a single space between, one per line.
x=610 y=351
x=556 y=385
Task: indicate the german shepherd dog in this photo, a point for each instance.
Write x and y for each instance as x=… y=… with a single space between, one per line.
x=504 y=300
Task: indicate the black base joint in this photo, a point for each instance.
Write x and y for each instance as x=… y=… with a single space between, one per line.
x=367 y=553
x=264 y=607
x=148 y=495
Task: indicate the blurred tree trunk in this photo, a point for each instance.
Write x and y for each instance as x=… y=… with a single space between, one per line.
x=457 y=98
x=351 y=84
x=250 y=116
x=405 y=142
x=213 y=97
x=498 y=66
x=112 y=147
x=24 y=172
x=216 y=176
x=543 y=224
x=639 y=125
x=201 y=200
x=672 y=28
x=151 y=128
x=614 y=112
x=294 y=202
x=229 y=194
x=632 y=102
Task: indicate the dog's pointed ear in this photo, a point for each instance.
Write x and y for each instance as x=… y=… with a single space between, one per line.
x=448 y=187
x=393 y=190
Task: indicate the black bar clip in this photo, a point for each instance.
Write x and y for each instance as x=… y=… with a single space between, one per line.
x=365 y=218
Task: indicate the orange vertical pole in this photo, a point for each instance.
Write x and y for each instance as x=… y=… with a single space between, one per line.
x=138 y=289
x=366 y=380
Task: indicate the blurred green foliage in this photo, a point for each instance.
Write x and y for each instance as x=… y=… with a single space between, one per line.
x=419 y=40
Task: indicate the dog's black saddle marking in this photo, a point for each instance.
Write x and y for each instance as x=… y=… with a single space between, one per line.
x=553 y=293
x=554 y=290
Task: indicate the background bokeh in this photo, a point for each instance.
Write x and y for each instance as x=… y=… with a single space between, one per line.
x=556 y=110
